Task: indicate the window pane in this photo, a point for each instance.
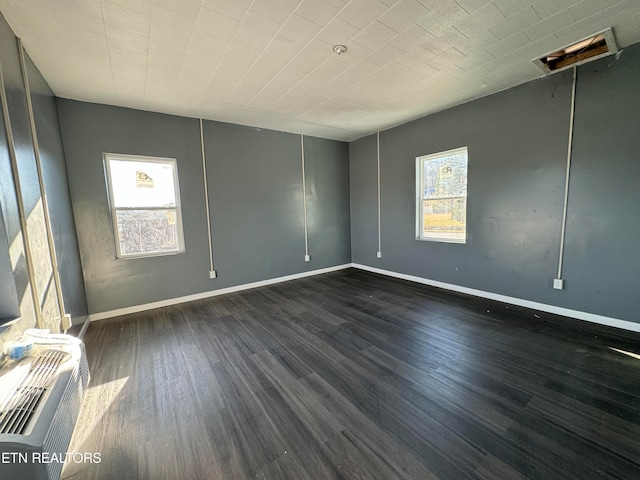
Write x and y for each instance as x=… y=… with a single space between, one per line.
x=142 y=184
x=445 y=219
x=445 y=176
x=147 y=231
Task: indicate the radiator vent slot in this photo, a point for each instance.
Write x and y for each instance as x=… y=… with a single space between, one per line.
x=21 y=406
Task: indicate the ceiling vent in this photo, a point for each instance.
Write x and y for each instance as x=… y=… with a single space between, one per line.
x=590 y=48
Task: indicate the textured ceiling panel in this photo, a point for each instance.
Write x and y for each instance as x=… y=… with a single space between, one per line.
x=270 y=63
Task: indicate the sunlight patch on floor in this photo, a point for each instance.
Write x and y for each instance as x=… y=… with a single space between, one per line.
x=96 y=403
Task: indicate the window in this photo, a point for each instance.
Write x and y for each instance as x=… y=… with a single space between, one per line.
x=442 y=196
x=145 y=205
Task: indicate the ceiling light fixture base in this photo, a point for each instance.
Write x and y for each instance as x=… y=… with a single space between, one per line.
x=339 y=49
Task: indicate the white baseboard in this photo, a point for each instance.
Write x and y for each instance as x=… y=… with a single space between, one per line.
x=84 y=328
x=212 y=293
x=542 y=307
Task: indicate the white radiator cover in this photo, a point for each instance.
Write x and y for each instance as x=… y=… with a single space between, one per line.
x=50 y=429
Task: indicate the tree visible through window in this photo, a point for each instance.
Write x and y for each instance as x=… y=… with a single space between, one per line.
x=145 y=205
x=442 y=196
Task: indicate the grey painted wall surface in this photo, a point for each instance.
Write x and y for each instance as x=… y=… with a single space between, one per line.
x=8 y=195
x=12 y=83
x=255 y=192
x=602 y=263
x=517 y=143
x=54 y=171
x=90 y=130
x=10 y=226
x=327 y=186
x=9 y=305
x=255 y=188
x=364 y=200
x=15 y=286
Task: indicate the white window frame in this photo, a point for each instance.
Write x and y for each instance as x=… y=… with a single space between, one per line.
x=107 y=157
x=420 y=161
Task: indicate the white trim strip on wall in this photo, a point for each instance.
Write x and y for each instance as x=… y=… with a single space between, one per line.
x=212 y=270
x=379 y=252
x=542 y=307
x=304 y=202
x=568 y=172
x=212 y=293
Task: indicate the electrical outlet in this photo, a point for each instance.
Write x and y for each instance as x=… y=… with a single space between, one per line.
x=66 y=322
x=307 y=258
x=213 y=274
x=558 y=283
x=379 y=254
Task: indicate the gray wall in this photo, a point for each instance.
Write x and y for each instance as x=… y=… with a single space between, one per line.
x=255 y=188
x=14 y=88
x=54 y=169
x=602 y=260
x=15 y=285
x=517 y=143
x=327 y=186
x=9 y=306
x=10 y=225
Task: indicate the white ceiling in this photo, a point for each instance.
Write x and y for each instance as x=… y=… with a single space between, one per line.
x=269 y=63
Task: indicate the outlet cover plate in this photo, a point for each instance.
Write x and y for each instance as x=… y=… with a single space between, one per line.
x=558 y=283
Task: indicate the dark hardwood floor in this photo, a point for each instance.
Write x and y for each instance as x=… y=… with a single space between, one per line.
x=351 y=375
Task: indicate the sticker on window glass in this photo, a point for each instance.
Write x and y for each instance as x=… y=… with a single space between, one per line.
x=143 y=180
x=171 y=217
